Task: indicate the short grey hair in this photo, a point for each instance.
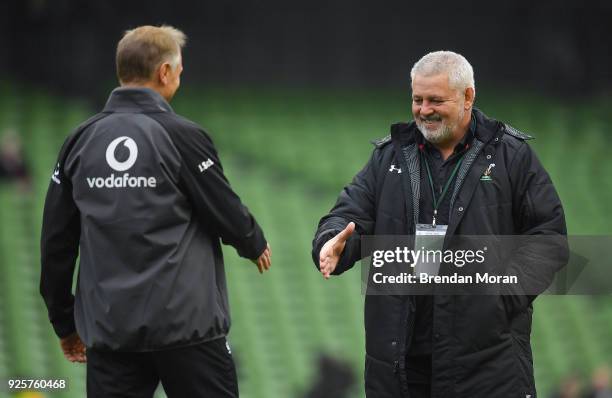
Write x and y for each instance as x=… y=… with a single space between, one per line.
x=459 y=71
x=143 y=49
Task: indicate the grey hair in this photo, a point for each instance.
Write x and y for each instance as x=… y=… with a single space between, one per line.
x=143 y=49
x=459 y=70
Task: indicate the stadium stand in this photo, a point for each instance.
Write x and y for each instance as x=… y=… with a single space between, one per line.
x=288 y=154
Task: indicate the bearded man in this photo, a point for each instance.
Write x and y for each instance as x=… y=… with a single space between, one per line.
x=455 y=170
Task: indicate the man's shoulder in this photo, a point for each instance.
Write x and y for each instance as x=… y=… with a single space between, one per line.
x=381 y=142
x=495 y=132
x=382 y=151
x=515 y=143
x=175 y=122
x=78 y=131
x=491 y=128
x=92 y=120
x=516 y=133
x=403 y=129
x=186 y=135
x=513 y=139
x=179 y=126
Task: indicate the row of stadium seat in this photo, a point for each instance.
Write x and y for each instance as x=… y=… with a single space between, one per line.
x=288 y=153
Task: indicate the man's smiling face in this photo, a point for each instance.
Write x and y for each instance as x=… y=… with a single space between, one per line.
x=438 y=109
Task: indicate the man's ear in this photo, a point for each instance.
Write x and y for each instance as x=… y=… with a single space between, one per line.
x=164 y=73
x=469 y=96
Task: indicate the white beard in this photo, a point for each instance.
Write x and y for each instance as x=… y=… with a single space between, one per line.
x=442 y=133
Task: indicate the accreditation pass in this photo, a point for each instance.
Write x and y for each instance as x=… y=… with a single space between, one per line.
x=428 y=237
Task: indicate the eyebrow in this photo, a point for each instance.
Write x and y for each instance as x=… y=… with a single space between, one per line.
x=431 y=98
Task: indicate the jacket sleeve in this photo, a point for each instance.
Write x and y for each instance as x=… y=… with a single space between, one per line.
x=356 y=203
x=212 y=197
x=59 y=249
x=539 y=216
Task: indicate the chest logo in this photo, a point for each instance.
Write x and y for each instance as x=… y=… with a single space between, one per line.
x=393 y=168
x=486 y=176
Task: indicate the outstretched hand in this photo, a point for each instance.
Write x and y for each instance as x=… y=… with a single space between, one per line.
x=332 y=250
x=264 y=261
x=73 y=348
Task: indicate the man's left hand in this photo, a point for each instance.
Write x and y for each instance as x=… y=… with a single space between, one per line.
x=73 y=348
x=264 y=261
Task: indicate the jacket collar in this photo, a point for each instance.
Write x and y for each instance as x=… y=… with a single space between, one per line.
x=485 y=129
x=136 y=99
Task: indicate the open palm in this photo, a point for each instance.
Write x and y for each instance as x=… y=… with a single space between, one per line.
x=332 y=250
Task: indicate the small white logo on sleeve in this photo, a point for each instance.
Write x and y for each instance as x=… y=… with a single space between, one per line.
x=393 y=168
x=130 y=144
x=55 y=175
x=227 y=346
x=205 y=165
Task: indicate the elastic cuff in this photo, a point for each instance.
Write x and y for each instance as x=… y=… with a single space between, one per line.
x=255 y=246
x=64 y=328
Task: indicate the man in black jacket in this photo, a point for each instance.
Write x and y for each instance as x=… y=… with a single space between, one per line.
x=454 y=168
x=141 y=192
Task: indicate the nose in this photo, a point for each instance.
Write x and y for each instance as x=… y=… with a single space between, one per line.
x=426 y=109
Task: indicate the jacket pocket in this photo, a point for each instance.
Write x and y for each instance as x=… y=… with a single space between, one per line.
x=381 y=379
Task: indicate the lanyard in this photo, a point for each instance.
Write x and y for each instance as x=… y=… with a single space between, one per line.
x=436 y=203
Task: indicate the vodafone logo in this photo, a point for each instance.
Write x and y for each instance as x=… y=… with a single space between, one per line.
x=124 y=180
x=130 y=144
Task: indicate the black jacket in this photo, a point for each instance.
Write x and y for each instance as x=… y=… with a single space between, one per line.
x=142 y=193
x=481 y=344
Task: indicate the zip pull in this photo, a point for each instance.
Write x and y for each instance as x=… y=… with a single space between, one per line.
x=433 y=223
x=395 y=366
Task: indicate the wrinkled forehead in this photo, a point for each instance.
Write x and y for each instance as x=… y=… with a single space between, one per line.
x=432 y=85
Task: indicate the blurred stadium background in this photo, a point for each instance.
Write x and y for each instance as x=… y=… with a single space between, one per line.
x=292 y=95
